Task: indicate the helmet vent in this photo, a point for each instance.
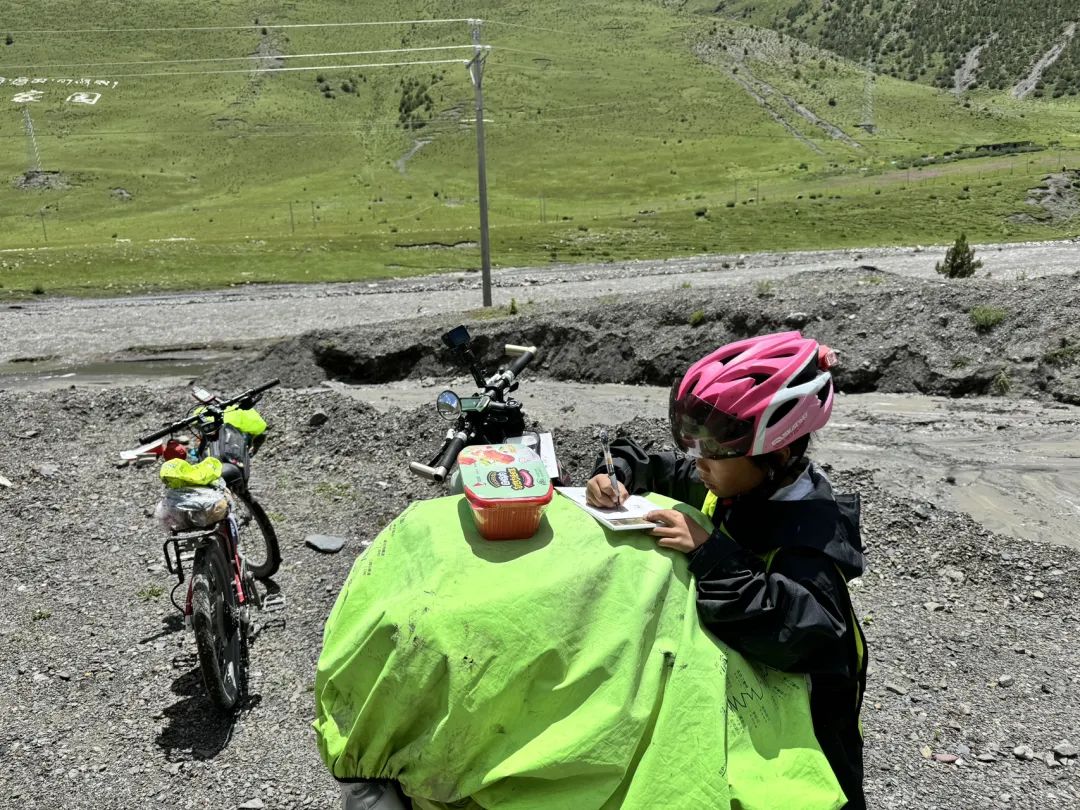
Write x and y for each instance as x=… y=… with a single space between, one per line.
x=825 y=392
x=781 y=412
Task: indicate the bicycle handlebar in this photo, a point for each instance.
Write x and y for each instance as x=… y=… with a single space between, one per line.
x=251 y=396
x=495 y=386
x=502 y=381
x=445 y=461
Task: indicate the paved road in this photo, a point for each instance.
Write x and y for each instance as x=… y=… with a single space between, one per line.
x=74 y=330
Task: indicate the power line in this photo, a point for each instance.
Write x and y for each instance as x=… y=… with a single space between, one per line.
x=239 y=58
x=519 y=50
x=232 y=27
x=528 y=27
x=549 y=69
x=277 y=70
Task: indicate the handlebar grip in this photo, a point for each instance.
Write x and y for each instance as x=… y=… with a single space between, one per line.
x=153 y=437
x=165 y=431
x=433 y=473
x=247 y=398
x=264 y=387
x=521 y=362
x=512 y=349
x=449 y=456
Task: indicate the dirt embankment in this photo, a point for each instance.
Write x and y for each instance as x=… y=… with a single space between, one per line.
x=894 y=334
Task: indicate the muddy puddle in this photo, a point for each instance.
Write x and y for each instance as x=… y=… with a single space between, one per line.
x=1013 y=465
x=48 y=374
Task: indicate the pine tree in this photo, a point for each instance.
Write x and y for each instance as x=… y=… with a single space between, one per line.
x=960 y=261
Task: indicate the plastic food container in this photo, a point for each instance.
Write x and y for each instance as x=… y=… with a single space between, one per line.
x=508 y=488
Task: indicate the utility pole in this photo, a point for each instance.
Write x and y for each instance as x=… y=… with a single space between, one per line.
x=867 y=122
x=32 y=147
x=476 y=73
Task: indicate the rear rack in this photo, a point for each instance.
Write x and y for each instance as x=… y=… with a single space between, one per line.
x=183 y=546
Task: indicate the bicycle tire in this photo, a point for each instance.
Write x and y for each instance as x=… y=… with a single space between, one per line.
x=266 y=562
x=219 y=637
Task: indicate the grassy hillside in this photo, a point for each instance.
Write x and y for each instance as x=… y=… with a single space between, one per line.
x=616 y=130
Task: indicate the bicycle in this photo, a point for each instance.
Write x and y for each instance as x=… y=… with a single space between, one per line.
x=200 y=511
x=490 y=416
x=235 y=445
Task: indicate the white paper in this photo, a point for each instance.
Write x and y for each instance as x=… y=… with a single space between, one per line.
x=546 y=449
x=627 y=517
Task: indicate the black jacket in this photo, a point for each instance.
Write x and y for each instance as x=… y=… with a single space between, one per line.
x=794 y=614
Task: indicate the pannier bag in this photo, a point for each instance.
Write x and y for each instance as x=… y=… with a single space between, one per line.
x=186 y=508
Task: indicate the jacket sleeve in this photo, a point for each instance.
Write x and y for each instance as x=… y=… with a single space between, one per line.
x=664 y=473
x=793 y=616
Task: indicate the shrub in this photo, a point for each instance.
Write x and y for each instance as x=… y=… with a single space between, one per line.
x=960 y=261
x=151 y=592
x=1066 y=354
x=513 y=308
x=986 y=318
x=1001 y=384
x=764 y=289
x=696 y=317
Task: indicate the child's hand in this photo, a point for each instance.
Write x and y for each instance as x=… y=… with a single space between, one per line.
x=676 y=530
x=598 y=492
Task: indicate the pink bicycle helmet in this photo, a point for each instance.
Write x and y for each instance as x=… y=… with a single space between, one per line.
x=753 y=397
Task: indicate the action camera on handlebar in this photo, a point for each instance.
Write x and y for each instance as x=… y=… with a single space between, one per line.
x=459 y=341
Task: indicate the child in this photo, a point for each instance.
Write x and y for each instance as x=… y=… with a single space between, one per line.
x=772 y=578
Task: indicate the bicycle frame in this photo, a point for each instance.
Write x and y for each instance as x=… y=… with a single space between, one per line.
x=188 y=542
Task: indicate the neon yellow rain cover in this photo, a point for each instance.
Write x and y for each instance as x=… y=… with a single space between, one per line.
x=178 y=472
x=569 y=670
x=247 y=421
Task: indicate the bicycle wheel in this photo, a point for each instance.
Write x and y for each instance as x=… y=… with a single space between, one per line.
x=258 y=543
x=218 y=634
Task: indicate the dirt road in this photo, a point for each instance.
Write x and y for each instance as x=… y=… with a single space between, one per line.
x=77 y=329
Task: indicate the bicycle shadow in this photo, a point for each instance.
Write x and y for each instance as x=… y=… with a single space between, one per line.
x=172 y=623
x=195 y=729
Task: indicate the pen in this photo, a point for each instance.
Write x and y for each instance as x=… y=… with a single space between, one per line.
x=610 y=466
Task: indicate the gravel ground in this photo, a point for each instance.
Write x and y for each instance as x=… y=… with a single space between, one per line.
x=969 y=631
x=973 y=697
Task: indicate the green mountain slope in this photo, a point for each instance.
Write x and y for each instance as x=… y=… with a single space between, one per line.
x=615 y=130
x=929 y=40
